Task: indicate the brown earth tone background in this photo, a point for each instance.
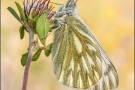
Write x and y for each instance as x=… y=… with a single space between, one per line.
x=110 y=20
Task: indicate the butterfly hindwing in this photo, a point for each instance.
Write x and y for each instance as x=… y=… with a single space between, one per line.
x=109 y=78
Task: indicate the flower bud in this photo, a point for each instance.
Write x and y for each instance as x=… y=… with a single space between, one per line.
x=33 y=10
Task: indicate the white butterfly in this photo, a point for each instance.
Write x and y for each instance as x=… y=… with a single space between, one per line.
x=78 y=59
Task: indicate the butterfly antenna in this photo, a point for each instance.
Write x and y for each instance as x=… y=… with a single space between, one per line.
x=62 y=5
x=57 y=3
x=75 y=1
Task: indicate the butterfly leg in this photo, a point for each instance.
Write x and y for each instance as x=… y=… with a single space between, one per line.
x=56 y=26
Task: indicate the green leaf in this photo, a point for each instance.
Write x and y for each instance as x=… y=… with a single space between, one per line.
x=25 y=56
x=42 y=27
x=21 y=11
x=21 y=30
x=48 y=49
x=24 y=59
x=13 y=12
x=36 y=56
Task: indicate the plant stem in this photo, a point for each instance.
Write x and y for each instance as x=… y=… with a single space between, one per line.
x=31 y=37
x=26 y=72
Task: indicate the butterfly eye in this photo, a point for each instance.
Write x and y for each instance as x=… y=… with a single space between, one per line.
x=70 y=12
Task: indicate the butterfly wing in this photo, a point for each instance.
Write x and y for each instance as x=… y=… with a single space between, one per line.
x=77 y=60
x=110 y=78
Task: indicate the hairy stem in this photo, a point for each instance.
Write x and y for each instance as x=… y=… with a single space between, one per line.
x=26 y=72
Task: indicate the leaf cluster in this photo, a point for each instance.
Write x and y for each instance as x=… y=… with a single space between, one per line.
x=42 y=28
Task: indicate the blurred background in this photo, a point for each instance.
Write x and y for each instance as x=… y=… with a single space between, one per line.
x=112 y=22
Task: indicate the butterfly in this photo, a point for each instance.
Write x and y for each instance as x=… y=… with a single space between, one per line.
x=78 y=59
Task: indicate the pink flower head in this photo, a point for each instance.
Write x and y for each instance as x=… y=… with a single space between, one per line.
x=35 y=8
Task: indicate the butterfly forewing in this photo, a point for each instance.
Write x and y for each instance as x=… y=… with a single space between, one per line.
x=76 y=57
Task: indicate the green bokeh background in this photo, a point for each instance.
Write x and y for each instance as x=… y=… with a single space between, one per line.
x=112 y=22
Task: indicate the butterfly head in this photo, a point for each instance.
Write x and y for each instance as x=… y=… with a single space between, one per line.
x=68 y=9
